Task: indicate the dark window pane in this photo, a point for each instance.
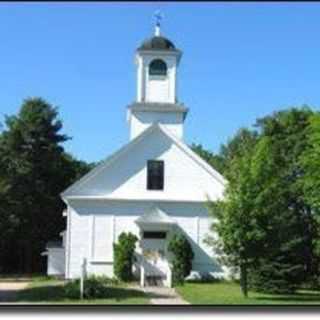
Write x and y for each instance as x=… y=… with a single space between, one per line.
x=154 y=235
x=158 y=68
x=155 y=175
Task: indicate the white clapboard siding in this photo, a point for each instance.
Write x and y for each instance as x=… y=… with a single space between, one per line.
x=102 y=237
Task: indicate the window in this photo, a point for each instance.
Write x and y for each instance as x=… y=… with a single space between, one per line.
x=154 y=235
x=158 y=68
x=155 y=175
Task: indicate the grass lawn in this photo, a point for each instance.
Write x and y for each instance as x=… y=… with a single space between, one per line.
x=229 y=293
x=50 y=291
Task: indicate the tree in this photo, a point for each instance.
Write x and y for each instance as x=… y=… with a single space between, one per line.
x=216 y=161
x=264 y=223
x=310 y=160
x=227 y=151
x=240 y=236
x=290 y=257
x=124 y=256
x=310 y=182
x=34 y=170
x=182 y=258
x=236 y=147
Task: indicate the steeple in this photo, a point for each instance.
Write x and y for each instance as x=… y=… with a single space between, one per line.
x=157 y=60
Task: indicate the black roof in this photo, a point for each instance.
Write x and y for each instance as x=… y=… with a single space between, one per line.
x=157 y=43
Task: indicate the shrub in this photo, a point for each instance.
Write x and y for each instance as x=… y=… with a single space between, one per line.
x=272 y=277
x=94 y=287
x=72 y=289
x=183 y=254
x=124 y=256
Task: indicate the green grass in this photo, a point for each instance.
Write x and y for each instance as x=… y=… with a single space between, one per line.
x=49 y=291
x=229 y=293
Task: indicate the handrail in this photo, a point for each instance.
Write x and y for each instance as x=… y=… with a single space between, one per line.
x=142 y=274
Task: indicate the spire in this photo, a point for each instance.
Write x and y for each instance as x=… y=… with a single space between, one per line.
x=158 y=17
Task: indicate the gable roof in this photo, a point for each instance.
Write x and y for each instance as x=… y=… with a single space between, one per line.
x=113 y=157
x=154 y=216
x=108 y=161
x=214 y=173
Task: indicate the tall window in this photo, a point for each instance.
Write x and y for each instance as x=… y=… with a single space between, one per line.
x=157 y=67
x=155 y=175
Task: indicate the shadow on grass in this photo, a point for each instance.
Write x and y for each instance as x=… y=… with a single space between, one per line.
x=153 y=295
x=41 y=293
x=56 y=293
x=121 y=293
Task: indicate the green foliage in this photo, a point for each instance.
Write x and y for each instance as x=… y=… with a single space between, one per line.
x=309 y=161
x=183 y=254
x=310 y=184
x=240 y=232
x=34 y=170
x=265 y=226
x=124 y=256
x=244 y=138
x=95 y=287
x=216 y=161
x=72 y=289
x=289 y=256
x=57 y=291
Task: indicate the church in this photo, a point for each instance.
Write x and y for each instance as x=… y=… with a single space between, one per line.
x=153 y=186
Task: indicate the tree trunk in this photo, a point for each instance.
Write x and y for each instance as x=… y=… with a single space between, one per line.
x=243 y=280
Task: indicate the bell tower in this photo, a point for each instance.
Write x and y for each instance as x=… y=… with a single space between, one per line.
x=157 y=61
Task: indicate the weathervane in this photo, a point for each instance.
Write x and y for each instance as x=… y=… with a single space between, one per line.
x=158 y=17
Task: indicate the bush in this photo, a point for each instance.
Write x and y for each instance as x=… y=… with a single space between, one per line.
x=94 y=287
x=124 y=256
x=72 y=289
x=275 y=278
x=205 y=280
x=183 y=254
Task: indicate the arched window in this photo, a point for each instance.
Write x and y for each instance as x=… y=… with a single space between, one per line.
x=158 y=67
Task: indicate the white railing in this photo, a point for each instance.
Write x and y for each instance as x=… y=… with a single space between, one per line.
x=142 y=275
x=168 y=280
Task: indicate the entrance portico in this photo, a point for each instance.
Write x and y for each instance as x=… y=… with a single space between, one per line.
x=155 y=230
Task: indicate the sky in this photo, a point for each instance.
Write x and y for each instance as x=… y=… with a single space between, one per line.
x=241 y=61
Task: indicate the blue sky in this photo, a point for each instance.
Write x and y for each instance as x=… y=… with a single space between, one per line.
x=241 y=61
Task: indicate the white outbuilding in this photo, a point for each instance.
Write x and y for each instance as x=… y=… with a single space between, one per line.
x=154 y=186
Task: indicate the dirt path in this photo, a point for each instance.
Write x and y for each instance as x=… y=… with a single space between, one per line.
x=8 y=289
x=161 y=295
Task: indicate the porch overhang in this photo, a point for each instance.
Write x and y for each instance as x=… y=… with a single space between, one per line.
x=155 y=218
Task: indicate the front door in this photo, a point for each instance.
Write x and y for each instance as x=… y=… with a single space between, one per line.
x=154 y=252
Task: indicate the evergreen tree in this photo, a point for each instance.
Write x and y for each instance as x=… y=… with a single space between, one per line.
x=34 y=170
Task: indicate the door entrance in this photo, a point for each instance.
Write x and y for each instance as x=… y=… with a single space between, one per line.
x=154 y=253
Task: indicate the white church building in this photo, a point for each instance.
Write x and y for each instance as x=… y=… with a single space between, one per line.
x=154 y=186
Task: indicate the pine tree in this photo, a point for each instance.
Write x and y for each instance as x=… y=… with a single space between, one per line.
x=34 y=170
